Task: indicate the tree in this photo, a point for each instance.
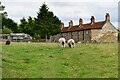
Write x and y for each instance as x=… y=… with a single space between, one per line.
x=22 y=26
x=2 y=12
x=9 y=23
x=26 y=26
x=46 y=22
x=6 y=30
x=30 y=26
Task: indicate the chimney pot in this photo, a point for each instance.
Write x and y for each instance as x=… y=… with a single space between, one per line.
x=80 y=21
x=92 y=19
x=107 y=16
x=62 y=25
x=70 y=23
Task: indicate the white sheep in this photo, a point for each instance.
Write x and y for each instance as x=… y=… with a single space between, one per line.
x=71 y=43
x=62 y=42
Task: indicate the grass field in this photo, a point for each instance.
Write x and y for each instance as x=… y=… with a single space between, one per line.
x=49 y=60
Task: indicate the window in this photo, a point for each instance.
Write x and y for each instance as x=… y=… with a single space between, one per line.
x=20 y=37
x=14 y=37
x=87 y=32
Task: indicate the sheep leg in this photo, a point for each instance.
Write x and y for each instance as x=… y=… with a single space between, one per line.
x=73 y=45
x=69 y=45
x=63 y=44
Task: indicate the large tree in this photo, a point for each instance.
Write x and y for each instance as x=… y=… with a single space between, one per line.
x=22 y=26
x=27 y=26
x=6 y=30
x=46 y=22
x=2 y=12
x=7 y=22
x=30 y=26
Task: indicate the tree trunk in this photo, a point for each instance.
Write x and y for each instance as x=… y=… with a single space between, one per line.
x=50 y=39
x=46 y=38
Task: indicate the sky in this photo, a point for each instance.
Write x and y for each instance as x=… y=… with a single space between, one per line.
x=65 y=10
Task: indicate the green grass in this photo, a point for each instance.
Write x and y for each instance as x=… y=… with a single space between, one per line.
x=49 y=60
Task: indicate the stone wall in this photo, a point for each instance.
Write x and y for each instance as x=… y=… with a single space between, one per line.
x=94 y=33
x=80 y=39
x=75 y=36
x=107 y=34
x=69 y=35
x=78 y=36
x=87 y=35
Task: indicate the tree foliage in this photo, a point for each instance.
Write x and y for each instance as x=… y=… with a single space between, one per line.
x=6 y=30
x=27 y=26
x=9 y=23
x=46 y=22
x=23 y=24
x=44 y=25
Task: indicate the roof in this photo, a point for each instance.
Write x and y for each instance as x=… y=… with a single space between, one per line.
x=17 y=34
x=96 y=25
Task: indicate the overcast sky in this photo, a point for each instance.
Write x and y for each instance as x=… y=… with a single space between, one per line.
x=65 y=10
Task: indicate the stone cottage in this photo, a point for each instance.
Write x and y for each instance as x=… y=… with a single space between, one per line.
x=102 y=31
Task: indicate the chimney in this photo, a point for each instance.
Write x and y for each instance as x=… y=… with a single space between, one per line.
x=62 y=25
x=107 y=17
x=92 y=19
x=80 y=21
x=70 y=23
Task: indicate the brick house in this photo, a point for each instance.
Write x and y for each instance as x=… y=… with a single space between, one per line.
x=102 y=31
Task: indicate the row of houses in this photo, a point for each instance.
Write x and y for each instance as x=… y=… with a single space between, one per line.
x=102 y=31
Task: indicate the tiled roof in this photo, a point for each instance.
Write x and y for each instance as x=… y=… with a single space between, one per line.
x=96 y=25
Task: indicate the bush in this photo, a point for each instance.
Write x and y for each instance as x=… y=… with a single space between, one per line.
x=6 y=30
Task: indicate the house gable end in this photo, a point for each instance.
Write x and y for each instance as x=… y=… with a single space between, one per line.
x=108 y=26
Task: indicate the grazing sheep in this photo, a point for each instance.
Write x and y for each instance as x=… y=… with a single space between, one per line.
x=71 y=43
x=7 y=42
x=62 y=42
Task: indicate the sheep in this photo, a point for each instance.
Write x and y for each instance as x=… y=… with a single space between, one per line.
x=71 y=43
x=62 y=42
